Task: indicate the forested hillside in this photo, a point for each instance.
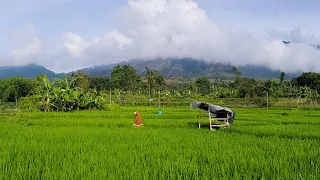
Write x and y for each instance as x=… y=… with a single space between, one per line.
x=28 y=71
x=173 y=68
x=190 y=69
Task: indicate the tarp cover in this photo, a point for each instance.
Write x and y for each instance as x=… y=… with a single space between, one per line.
x=214 y=109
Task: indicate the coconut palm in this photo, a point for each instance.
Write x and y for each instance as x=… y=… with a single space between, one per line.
x=150 y=79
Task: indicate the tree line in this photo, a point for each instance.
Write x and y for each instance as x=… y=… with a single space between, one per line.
x=78 y=90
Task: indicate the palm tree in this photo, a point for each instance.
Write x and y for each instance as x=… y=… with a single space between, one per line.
x=150 y=76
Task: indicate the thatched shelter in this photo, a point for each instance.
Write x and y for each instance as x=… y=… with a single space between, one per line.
x=218 y=116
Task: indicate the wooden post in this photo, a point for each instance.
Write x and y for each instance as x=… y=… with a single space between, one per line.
x=110 y=97
x=159 y=98
x=134 y=101
x=199 y=124
x=226 y=121
x=267 y=100
x=149 y=94
x=209 y=118
x=119 y=96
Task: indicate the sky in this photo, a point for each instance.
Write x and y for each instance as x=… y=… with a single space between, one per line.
x=66 y=35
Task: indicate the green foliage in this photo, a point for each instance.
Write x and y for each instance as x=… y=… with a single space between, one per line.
x=155 y=81
x=100 y=83
x=79 y=91
x=7 y=106
x=83 y=80
x=70 y=93
x=283 y=74
x=203 y=85
x=158 y=80
x=309 y=79
x=30 y=103
x=11 y=89
x=236 y=72
x=124 y=77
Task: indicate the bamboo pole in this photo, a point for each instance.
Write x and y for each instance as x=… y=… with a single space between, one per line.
x=159 y=99
x=199 y=123
x=110 y=98
x=267 y=100
x=210 y=118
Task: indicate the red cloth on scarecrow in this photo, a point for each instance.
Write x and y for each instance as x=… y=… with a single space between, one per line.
x=138 y=120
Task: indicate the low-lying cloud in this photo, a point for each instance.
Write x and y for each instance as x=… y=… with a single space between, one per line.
x=149 y=29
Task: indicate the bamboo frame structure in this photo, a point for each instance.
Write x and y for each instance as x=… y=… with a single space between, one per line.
x=218 y=117
x=211 y=124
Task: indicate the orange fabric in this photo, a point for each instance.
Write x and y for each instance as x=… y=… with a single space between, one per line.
x=138 y=120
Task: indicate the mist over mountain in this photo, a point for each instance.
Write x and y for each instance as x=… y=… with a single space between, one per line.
x=190 y=68
x=170 y=68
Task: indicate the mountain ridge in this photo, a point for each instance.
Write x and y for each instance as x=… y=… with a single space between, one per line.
x=170 y=67
x=191 y=68
x=187 y=68
x=26 y=71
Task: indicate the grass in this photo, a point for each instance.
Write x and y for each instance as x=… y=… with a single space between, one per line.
x=274 y=144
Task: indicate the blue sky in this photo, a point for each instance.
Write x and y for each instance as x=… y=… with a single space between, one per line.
x=65 y=35
x=52 y=18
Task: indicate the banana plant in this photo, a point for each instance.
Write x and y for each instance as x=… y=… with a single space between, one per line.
x=45 y=89
x=57 y=97
x=64 y=95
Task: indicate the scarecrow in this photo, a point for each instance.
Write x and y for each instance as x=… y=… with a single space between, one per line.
x=138 y=120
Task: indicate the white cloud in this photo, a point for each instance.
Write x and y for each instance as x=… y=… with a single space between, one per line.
x=148 y=29
x=32 y=47
x=75 y=44
x=25 y=45
x=295 y=35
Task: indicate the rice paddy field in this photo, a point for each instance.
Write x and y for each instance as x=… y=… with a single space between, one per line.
x=261 y=144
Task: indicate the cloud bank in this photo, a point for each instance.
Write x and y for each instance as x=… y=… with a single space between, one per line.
x=149 y=29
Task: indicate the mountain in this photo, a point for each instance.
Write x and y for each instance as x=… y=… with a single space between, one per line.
x=264 y=72
x=28 y=71
x=190 y=68
x=185 y=68
x=170 y=68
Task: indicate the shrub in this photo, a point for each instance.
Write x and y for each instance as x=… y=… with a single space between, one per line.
x=30 y=104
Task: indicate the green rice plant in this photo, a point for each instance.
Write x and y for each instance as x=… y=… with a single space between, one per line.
x=260 y=144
